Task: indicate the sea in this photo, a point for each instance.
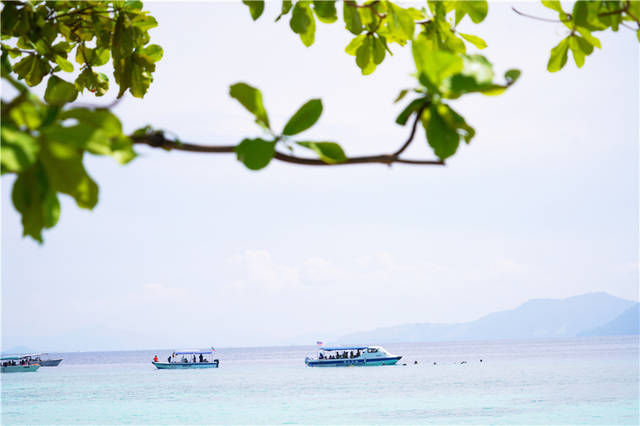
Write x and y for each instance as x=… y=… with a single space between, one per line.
x=574 y=381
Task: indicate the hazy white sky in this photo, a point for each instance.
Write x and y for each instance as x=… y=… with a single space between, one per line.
x=195 y=250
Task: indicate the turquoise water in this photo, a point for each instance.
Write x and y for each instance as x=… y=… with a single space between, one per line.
x=585 y=381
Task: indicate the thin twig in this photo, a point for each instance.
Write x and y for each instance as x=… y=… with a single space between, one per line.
x=413 y=130
x=157 y=140
x=97 y=106
x=526 y=15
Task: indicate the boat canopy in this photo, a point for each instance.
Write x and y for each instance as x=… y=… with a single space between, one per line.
x=345 y=348
x=193 y=352
x=14 y=357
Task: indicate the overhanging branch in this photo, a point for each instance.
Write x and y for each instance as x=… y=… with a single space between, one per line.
x=158 y=140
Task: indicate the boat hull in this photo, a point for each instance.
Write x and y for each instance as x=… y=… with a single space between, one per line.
x=352 y=362
x=50 y=362
x=20 y=368
x=185 y=365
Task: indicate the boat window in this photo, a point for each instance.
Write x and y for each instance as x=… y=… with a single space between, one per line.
x=372 y=350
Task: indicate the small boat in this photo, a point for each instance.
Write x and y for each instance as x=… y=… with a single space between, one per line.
x=352 y=356
x=47 y=362
x=18 y=364
x=188 y=358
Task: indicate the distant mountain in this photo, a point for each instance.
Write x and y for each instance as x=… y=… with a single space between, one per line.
x=537 y=318
x=626 y=323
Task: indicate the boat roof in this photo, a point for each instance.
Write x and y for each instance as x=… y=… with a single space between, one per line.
x=14 y=357
x=192 y=352
x=344 y=348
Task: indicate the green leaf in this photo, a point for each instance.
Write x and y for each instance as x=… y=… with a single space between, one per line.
x=303 y=23
x=580 y=48
x=94 y=57
x=255 y=153
x=578 y=54
x=410 y=109
x=401 y=95
x=97 y=131
x=256 y=7
x=477 y=10
x=378 y=51
x=558 y=57
x=144 y=22
x=398 y=26
x=478 y=67
x=456 y=122
x=19 y=150
x=32 y=69
x=140 y=75
x=286 y=7
x=304 y=118
x=63 y=165
x=153 y=52
x=586 y=15
x=59 y=92
x=586 y=34
x=443 y=139
x=64 y=64
x=475 y=40
x=354 y=44
x=97 y=83
x=365 y=55
x=512 y=76
x=251 y=99
x=36 y=202
x=325 y=11
x=352 y=18
x=27 y=114
x=329 y=152
x=133 y=5
x=436 y=65
x=555 y=5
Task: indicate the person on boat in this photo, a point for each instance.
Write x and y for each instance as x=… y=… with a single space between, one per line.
x=155 y=358
x=169 y=359
x=201 y=358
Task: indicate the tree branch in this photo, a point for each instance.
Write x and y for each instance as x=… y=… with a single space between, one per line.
x=413 y=130
x=158 y=140
x=526 y=15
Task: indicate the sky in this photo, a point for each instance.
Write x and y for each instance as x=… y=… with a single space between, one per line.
x=195 y=250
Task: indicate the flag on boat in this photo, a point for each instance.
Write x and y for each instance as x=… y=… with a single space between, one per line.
x=319 y=343
x=212 y=350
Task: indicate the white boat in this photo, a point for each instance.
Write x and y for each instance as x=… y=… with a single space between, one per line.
x=348 y=356
x=45 y=361
x=18 y=364
x=188 y=358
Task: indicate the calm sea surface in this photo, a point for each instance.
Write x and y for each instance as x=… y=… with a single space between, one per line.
x=577 y=381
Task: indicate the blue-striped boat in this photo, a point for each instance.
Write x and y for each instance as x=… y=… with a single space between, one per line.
x=187 y=359
x=352 y=356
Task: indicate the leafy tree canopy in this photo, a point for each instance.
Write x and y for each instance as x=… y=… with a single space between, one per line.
x=64 y=44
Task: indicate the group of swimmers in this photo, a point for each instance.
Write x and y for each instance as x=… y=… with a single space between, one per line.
x=343 y=355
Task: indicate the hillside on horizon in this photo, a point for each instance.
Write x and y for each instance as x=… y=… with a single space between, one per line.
x=591 y=314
